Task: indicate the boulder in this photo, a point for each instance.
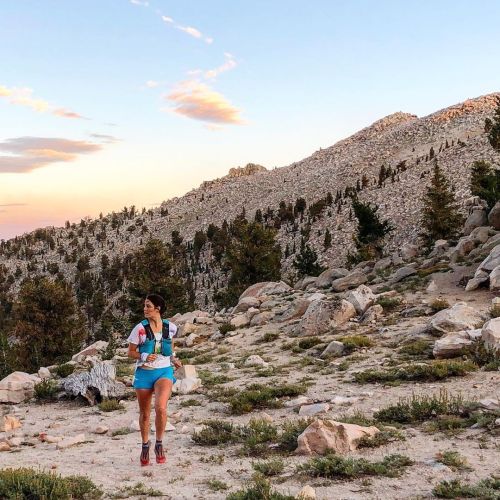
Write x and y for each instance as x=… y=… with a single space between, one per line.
x=9 y=423
x=70 y=441
x=314 y=409
x=409 y=251
x=186 y=385
x=322 y=315
x=494 y=216
x=490 y=334
x=305 y=282
x=261 y=318
x=191 y=340
x=101 y=429
x=322 y=436
x=267 y=305
x=203 y=320
x=266 y=288
x=44 y=373
x=301 y=400
x=186 y=371
x=382 y=264
x=325 y=279
x=495 y=279
x=373 y=314
x=456 y=318
x=352 y=280
x=361 y=298
x=480 y=277
x=294 y=311
x=492 y=261
x=481 y=234
x=452 y=345
x=251 y=313
x=440 y=248
x=255 y=360
x=94 y=349
x=401 y=274
x=17 y=387
x=240 y=320
x=187 y=329
x=246 y=303
x=476 y=218
x=189 y=317
x=334 y=348
x=464 y=246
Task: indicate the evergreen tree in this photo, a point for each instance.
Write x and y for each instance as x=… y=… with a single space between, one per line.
x=485 y=182
x=46 y=324
x=306 y=262
x=152 y=272
x=370 y=232
x=252 y=256
x=494 y=127
x=440 y=217
x=328 y=239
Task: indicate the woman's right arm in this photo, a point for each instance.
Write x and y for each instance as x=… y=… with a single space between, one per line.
x=133 y=352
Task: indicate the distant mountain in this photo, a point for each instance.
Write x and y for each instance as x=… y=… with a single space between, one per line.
x=403 y=144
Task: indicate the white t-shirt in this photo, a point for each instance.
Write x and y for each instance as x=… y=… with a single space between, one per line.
x=138 y=336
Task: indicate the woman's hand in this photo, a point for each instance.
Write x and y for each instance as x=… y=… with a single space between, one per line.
x=151 y=358
x=177 y=362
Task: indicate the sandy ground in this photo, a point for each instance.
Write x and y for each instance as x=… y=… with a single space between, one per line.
x=112 y=462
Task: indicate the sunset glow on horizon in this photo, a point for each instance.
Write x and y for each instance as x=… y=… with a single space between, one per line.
x=131 y=102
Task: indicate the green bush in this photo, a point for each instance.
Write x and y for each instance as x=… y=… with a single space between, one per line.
x=216 y=432
x=268 y=337
x=453 y=459
x=309 y=342
x=190 y=402
x=487 y=489
x=419 y=408
x=334 y=467
x=224 y=328
x=353 y=342
x=257 y=436
x=217 y=485
x=65 y=370
x=46 y=390
x=419 y=347
x=429 y=372
x=138 y=489
x=269 y=468
x=27 y=483
x=389 y=303
x=439 y=305
x=262 y=396
x=260 y=489
x=110 y=405
x=291 y=430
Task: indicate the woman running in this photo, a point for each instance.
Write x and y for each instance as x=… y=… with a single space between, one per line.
x=151 y=344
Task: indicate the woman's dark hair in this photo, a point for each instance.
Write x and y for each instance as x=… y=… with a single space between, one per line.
x=157 y=301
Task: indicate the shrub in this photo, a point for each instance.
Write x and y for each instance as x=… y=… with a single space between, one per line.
x=486 y=489
x=65 y=370
x=333 y=466
x=423 y=407
x=224 y=328
x=488 y=359
x=417 y=348
x=46 y=390
x=110 y=405
x=439 y=304
x=453 y=459
x=122 y=431
x=389 y=303
x=27 y=483
x=124 y=368
x=216 y=432
x=291 y=430
x=385 y=436
x=260 y=489
x=272 y=467
x=495 y=311
x=437 y=370
x=185 y=354
x=353 y=342
x=268 y=337
x=138 y=489
x=261 y=396
x=210 y=379
x=216 y=485
x=309 y=342
x=257 y=436
x=190 y=402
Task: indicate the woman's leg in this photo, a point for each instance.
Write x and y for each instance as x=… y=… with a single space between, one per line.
x=163 y=389
x=144 y=397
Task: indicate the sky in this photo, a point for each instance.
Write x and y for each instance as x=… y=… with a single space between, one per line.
x=113 y=103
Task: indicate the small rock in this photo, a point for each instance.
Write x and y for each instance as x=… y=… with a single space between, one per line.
x=101 y=429
x=255 y=360
x=71 y=441
x=4 y=446
x=15 y=441
x=334 y=348
x=47 y=438
x=301 y=400
x=266 y=417
x=9 y=423
x=344 y=400
x=307 y=493
x=169 y=427
x=44 y=373
x=310 y=410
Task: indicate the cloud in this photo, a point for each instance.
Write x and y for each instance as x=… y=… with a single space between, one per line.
x=198 y=101
x=142 y=3
x=24 y=97
x=190 y=31
x=25 y=154
x=229 y=64
x=151 y=84
x=109 y=139
x=14 y=205
x=167 y=19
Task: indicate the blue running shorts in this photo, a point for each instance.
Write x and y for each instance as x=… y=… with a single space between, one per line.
x=145 y=379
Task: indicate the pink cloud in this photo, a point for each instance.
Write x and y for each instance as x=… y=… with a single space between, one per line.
x=199 y=102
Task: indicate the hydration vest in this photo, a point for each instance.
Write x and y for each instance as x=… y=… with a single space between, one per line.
x=149 y=344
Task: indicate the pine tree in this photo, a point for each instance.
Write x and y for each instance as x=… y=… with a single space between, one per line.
x=494 y=128
x=46 y=324
x=485 y=182
x=370 y=232
x=328 y=239
x=440 y=218
x=306 y=262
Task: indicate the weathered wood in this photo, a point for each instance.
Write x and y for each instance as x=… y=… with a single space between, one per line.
x=97 y=384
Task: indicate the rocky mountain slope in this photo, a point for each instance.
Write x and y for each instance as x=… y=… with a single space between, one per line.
x=401 y=142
